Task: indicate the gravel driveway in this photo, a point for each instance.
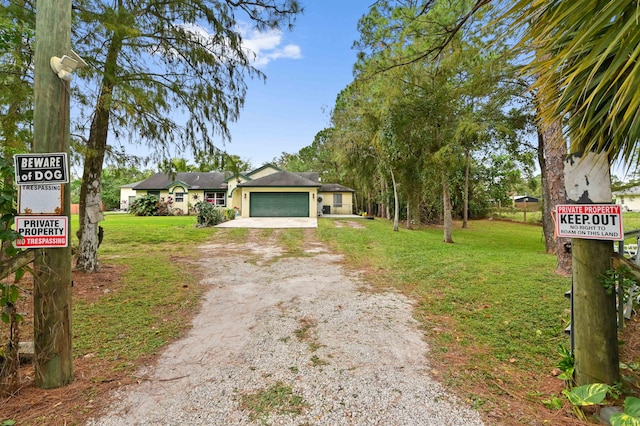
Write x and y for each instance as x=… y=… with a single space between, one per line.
x=303 y=327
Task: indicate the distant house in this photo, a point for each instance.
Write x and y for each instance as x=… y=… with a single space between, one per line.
x=127 y=195
x=526 y=202
x=264 y=192
x=628 y=198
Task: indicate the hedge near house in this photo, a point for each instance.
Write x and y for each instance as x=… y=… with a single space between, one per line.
x=147 y=205
x=209 y=215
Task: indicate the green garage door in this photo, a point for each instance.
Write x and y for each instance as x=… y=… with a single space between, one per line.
x=279 y=204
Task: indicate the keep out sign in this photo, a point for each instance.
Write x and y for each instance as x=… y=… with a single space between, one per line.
x=589 y=221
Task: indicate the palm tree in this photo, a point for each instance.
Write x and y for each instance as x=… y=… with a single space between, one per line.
x=587 y=72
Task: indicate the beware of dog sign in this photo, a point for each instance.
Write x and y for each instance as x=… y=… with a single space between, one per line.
x=41 y=168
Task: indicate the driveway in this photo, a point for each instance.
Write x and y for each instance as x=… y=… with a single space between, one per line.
x=271 y=222
x=290 y=340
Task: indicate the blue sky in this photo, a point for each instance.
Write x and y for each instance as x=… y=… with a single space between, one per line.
x=306 y=69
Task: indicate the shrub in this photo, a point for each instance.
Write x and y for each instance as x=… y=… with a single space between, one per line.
x=150 y=205
x=164 y=206
x=229 y=214
x=208 y=215
x=147 y=205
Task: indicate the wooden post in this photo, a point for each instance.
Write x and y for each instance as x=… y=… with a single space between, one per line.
x=52 y=285
x=587 y=181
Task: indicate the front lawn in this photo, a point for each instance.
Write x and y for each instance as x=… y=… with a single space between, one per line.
x=492 y=308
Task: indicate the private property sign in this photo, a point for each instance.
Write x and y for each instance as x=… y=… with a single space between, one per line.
x=42 y=231
x=589 y=221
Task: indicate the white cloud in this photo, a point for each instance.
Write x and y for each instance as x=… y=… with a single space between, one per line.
x=265 y=47
x=260 y=47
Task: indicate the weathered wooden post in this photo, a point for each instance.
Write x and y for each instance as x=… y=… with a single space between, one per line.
x=52 y=287
x=587 y=181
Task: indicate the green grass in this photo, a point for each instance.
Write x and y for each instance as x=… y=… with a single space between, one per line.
x=236 y=235
x=519 y=216
x=492 y=298
x=631 y=221
x=491 y=301
x=293 y=241
x=129 y=230
x=277 y=399
x=156 y=296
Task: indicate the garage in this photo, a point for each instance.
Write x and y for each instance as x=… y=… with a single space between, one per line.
x=279 y=204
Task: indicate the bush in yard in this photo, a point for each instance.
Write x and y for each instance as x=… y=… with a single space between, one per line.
x=146 y=205
x=164 y=206
x=208 y=215
x=229 y=214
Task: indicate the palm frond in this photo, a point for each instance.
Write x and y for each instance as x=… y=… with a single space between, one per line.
x=587 y=69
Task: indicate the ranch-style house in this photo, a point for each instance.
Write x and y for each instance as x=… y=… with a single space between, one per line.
x=264 y=192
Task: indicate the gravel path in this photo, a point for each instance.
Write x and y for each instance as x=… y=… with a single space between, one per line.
x=291 y=323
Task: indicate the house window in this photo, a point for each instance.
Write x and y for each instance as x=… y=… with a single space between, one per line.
x=179 y=197
x=337 y=200
x=155 y=193
x=215 y=198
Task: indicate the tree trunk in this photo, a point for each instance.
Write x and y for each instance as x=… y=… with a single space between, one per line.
x=396 y=204
x=90 y=200
x=465 y=213
x=594 y=314
x=551 y=152
x=387 y=207
x=354 y=205
x=408 y=214
x=53 y=365
x=446 y=210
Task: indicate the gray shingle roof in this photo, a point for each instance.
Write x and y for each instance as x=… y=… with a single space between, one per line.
x=281 y=179
x=131 y=185
x=628 y=191
x=208 y=180
x=264 y=166
x=335 y=187
x=309 y=175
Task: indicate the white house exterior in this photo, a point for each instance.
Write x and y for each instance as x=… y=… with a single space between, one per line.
x=628 y=198
x=127 y=195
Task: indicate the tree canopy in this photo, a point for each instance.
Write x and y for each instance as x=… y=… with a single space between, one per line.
x=587 y=69
x=153 y=65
